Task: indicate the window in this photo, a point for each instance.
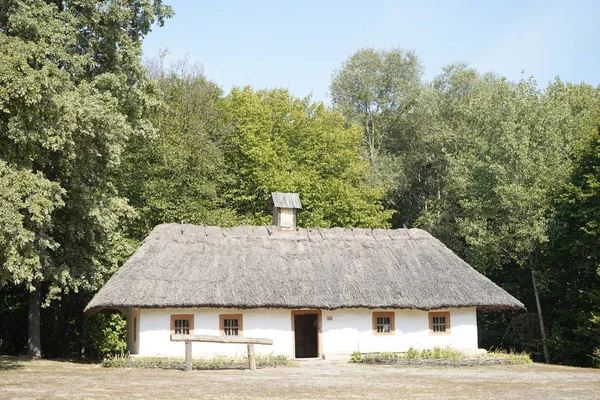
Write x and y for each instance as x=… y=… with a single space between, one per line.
x=231 y=324
x=383 y=323
x=439 y=323
x=182 y=324
x=134 y=328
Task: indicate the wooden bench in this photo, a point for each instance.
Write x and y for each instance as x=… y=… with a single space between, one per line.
x=188 y=339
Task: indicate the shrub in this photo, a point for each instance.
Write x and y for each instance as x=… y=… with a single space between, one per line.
x=217 y=362
x=439 y=355
x=356 y=357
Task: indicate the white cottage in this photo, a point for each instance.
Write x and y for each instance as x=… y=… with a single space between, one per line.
x=315 y=292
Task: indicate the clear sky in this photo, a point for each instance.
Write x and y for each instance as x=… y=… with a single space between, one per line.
x=298 y=44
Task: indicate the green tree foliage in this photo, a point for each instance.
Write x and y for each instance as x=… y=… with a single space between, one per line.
x=480 y=162
x=377 y=89
x=516 y=145
x=177 y=173
x=214 y=160
x=27 y=201
x=71 y=94
x=281 y=143
x=420 y=147
x=573 y=263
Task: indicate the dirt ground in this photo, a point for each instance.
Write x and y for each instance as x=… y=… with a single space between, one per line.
x=45 y=379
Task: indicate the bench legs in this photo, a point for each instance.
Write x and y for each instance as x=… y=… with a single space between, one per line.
x=251 y=358
x=188 y=355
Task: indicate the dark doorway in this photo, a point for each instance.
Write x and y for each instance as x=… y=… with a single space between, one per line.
x=306 y=329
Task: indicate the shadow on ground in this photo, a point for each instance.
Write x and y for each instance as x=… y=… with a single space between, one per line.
x=9 y=362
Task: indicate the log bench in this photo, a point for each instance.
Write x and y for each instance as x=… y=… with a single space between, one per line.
x=188 y=339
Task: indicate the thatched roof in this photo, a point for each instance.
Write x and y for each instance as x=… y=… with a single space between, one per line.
x=251 y=267
x=286 y=200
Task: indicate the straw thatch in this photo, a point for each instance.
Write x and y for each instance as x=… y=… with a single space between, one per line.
x=251 y=267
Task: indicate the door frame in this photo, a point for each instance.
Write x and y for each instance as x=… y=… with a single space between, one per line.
x=319 y=336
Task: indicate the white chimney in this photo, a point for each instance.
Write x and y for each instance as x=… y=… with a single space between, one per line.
x=285 y=206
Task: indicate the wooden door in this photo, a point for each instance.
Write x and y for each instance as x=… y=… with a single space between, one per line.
x=306 y=332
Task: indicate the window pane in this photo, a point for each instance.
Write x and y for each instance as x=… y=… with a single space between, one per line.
x=186 y=323
x=231 y=331
x=383 y=323
x=234 y=322
x=440 y=323
x=177 y=323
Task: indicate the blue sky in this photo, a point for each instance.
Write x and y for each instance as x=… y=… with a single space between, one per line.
x=298 y=44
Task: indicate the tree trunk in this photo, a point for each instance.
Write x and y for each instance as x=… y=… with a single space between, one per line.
x=34 y=343
x=541 y=317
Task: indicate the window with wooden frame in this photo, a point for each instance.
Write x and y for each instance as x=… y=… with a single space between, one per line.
x=383 y=323
x=231 y=325
x=439 y=323
x=182 y=324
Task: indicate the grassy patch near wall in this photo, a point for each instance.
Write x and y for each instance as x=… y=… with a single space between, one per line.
x=440 y=356
x=219 y=362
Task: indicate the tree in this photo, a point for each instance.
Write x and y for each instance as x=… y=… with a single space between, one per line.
x=26 y=202
x=422 y=147
x=71 y=94
x=573 y=262
x=281 y=143
x=177 y=174
x=515 y=157
x=377 y=89
x=482 y=163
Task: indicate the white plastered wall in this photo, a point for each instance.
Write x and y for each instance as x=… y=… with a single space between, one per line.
x=132 y=316
x=260 y=323
x=352 y=330
x=345 y=331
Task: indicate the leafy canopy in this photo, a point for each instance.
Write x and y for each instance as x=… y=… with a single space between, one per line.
x=177 y=173
x=286 y=144
x=72 y=92
x=376 y=89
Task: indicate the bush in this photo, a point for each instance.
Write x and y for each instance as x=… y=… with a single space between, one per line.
x=218 y=362
x=356 y=357
x=112 y=334
x=438 y=355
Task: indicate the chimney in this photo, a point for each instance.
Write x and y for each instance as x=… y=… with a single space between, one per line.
x=285 y=206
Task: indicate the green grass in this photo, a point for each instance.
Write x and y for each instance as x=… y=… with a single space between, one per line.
x=218 y=362
x=513 y=358
x=439 y=355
